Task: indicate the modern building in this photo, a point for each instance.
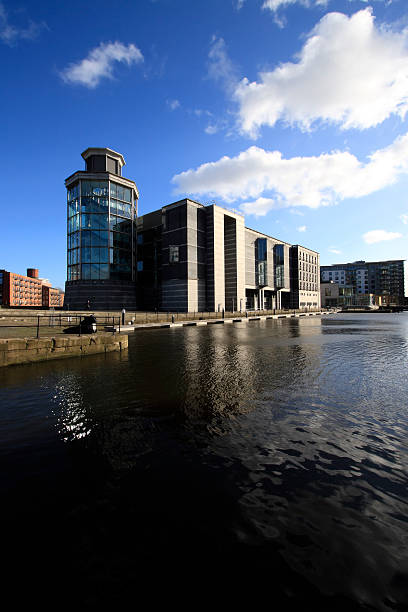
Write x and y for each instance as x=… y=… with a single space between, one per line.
x=305 y=266
x=30 y=290
x=182 y=257
x=380 y=278
x=101 y=213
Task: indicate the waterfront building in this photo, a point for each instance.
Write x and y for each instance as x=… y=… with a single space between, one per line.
x=381 y=278
x=305 y=272
x=185 y=256
x=101 y=211
x=19 y=290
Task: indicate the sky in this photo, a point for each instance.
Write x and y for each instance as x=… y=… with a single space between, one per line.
x=293 y=112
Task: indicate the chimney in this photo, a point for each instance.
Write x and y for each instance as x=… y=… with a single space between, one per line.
x=32 y=272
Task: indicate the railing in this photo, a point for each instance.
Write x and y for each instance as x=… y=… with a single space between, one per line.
x=51 y=323
x=54 y=323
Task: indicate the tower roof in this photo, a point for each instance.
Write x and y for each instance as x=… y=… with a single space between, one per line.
x=104 y=151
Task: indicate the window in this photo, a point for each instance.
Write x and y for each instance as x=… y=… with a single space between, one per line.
x=140 y=239
x=173 y=254
x=279 y=256
x=140 y=266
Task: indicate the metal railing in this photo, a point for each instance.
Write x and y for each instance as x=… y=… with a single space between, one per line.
x=46 y=324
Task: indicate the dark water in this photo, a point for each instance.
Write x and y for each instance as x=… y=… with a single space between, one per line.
x=213 y=464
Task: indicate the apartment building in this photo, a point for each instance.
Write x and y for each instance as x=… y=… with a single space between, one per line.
x=380 y=278
x=30 y=290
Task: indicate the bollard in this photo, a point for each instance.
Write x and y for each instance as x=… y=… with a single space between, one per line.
x=38 y=327
x=80 y=320
x=172 y=318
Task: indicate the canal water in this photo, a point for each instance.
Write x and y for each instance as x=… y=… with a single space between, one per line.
x=213 y=464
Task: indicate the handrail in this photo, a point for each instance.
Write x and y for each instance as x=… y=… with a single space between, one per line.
x=51 y=322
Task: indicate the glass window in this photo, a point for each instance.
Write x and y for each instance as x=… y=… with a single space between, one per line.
x=99 y=238
x=173 y=254
x=94 y=221
x=113 y=190
x=94 y=254
x=98 y=188
x=86 y=271
x=73 y=207
x=121 y=225
x=86 y=255
x=95 y=271
x=279 y=254
x=104 y=271
x=73 y=192
x=121 y=241
x=103 y=255
x=91 y=204
x=140 y=266
x=127 y=196
x=120 y=192
x=140 y=239
x=73 y=223
x=74 y=239
x=261 y=249
x=85 y=238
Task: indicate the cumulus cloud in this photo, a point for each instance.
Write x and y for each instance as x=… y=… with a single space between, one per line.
x=349 y=72
x=10 y=33
x=100 y=63
x=301 y=228
x=404 y=219
x=266 y=180
x=379 y=236
x=335 y=251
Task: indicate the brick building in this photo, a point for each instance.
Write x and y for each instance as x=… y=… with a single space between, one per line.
x=30 y=290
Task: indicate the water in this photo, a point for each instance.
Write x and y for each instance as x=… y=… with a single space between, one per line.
x=249 y=460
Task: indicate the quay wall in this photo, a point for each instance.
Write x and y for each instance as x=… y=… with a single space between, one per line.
x=28 y=350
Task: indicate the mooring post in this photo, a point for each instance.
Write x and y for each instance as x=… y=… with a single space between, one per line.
x=38 y=327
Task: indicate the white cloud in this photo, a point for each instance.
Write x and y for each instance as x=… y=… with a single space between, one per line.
x=269 y=180
x=379 y=236
x=349 y=72
x=259 y=207
x=10 y=34
x=220 y=67
x=404 y=219
x=335 y=251
x=100 y=62
x=211 y=129
x=173 y=104
x=301 y=228
x=274 y=5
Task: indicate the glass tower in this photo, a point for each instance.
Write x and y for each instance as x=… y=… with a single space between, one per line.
x=101 y=210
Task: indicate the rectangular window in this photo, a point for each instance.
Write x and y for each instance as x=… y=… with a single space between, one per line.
x=140 y=266
x=279 y=257
x=173 y=254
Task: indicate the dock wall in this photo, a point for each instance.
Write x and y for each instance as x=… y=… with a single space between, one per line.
x=28 y=350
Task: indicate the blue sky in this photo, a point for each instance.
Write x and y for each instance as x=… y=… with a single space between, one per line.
x=292 y=111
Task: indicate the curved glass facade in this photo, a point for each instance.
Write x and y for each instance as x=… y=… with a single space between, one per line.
x=100 y=231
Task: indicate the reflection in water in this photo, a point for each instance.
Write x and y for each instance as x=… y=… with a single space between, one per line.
x=275 y=450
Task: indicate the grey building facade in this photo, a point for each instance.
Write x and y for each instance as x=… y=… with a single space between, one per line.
x=183 y=257
x=381 y=278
